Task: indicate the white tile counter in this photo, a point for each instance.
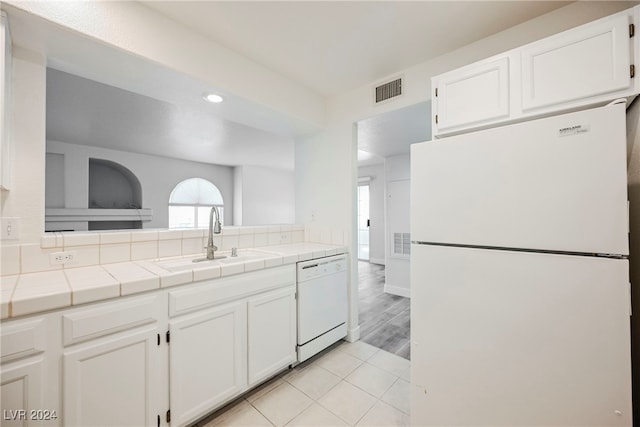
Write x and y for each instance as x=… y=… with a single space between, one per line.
x=31 y=293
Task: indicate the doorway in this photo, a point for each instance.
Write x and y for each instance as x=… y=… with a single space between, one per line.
x=363 y=222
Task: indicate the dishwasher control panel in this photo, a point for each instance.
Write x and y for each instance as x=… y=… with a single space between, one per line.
x=311 y=269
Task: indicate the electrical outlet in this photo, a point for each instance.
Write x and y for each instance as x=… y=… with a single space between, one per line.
x=284 y=237
x=9 y=228
x=61 y=258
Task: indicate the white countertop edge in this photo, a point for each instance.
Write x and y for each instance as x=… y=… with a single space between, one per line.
x=156 y=278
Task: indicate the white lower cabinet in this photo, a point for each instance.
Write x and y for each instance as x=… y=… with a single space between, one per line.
x=23 y=380
x=112 y=381
x=207 y=360
x=226 y=336
x=111 y=363
x=21 y=392
x=272 y=333
x=164 y=358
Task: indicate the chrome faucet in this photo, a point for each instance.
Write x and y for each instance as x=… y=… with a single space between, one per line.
x=217 y=228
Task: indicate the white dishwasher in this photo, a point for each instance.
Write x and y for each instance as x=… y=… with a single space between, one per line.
x=322 y=304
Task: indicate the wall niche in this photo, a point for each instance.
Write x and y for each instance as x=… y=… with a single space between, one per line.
x=112 y=186
x=104 y=195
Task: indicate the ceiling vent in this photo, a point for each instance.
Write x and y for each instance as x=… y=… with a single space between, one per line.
x=388 y=90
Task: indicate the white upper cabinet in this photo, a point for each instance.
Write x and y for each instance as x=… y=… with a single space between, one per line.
x=587 y=62
x=475 y=94
x=586 y=66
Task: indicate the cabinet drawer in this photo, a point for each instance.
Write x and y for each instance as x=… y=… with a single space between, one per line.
x=472 y=95
x=21 y=339
x=107 y=319
x=219 y=291
x=581 y=63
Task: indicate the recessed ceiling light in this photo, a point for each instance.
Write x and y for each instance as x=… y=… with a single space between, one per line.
x=212 y=97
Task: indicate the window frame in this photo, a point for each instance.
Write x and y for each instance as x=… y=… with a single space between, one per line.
x=195 y=206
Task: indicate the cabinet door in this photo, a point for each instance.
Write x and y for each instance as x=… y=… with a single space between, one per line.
x=472 y=95
x=21 y=389
x=579 y=64
x=207 y=360
x=272 y=333
x=112 y=381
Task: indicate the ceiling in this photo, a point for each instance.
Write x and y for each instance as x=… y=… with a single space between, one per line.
x=327 y=46
x=333 y=47
x=85 y=112
x=336 y=46
x=391 y=134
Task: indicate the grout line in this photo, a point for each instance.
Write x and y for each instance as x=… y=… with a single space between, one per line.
x=316 y=401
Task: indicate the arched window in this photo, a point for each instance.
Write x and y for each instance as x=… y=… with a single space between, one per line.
x=190 y=203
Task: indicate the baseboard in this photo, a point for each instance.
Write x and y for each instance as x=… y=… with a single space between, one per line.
x=379 y=261
x=397 y=290
x=353 y=334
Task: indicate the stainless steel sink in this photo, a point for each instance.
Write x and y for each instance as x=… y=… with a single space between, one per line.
x=198 y=261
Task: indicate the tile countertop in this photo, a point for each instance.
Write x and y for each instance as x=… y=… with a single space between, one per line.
x=32 y=293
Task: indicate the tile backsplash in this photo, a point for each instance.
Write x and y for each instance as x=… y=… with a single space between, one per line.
x=105 y=247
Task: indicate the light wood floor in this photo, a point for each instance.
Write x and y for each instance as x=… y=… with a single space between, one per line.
x=384 y=318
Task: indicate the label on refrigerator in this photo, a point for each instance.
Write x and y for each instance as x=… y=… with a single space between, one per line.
x=573 y=130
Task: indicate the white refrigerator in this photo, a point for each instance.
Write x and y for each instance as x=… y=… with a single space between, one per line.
x=520 y=294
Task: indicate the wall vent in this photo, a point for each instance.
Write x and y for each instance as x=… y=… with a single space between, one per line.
x=388 y=90
x=401 y=244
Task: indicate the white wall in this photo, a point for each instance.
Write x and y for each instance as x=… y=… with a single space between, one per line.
x=267 y=195
x=376 y=211
x=237 y=196
x=325 y=188
x=398 y=174
x=25 y=200
x=157 y=175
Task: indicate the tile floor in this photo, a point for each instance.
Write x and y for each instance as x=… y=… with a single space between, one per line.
x=350 y=384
